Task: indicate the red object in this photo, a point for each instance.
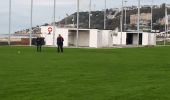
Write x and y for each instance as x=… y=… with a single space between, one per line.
x=50 y=30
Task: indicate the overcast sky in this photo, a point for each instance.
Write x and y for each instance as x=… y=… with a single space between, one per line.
x=43 y=11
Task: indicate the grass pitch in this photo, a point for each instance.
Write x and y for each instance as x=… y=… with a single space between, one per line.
x=84 y=74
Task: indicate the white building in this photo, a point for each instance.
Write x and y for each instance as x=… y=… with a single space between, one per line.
x=131 y=38
x=95 y=38
x=86 y=37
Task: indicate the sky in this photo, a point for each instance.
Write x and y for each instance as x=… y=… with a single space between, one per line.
x=43 y=11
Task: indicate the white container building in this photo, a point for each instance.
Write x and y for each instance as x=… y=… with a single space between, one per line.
x=86 y=38
x=131 y=38
x=96 y=38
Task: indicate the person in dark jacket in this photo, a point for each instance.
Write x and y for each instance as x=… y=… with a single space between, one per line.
x=60 y=40
x=39 y=43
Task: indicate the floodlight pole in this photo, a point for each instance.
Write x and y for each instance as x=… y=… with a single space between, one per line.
x=9 y=35
x=90 y=14
x=138 y=27
x=125 y=15
x=30 y=37
x=105 y=15
x=151 y=15
x=121 y=23
x=77 y=23
x=54 y=23
x=151 y=22
x=166 y=21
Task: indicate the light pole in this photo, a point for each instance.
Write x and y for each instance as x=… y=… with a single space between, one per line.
x=151 y=22
x=9 y=35
x=138 y=27
x=151 y=15
x=90 y=14
x=31 y=23
x=125 y=15
x=105 y=15
x=77 y=23
x=54 y=23
x=121 y=23
x=166 y=22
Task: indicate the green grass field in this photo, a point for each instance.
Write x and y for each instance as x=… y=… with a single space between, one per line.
x=85 y=74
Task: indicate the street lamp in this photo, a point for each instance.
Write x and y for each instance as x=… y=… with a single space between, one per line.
x=9 y=35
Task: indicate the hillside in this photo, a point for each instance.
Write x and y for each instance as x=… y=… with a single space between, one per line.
x=97 y=18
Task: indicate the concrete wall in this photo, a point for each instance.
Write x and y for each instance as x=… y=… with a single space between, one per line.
x=64 y=34
x=117 y=38
x=152 y=39
x=145 y=39
x=149 y=39
x=83 y=38
x=99 y=39
x=72 y=38
x=107 y=39
x=49 y=37
x=135 y=39
x=95 y=38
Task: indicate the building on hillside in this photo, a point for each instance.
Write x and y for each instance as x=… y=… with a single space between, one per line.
x=146 y=6
x=145 y=19
x=134 y=7
x=162 y=20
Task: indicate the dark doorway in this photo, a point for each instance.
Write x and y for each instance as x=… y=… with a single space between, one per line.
x=129 y=39
x=140 y=39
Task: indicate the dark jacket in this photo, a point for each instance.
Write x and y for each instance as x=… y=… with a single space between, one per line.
x=60 y=40
x=40 y=41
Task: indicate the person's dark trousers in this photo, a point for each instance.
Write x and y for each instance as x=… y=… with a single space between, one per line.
x=60 y=48
x=38 y=48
